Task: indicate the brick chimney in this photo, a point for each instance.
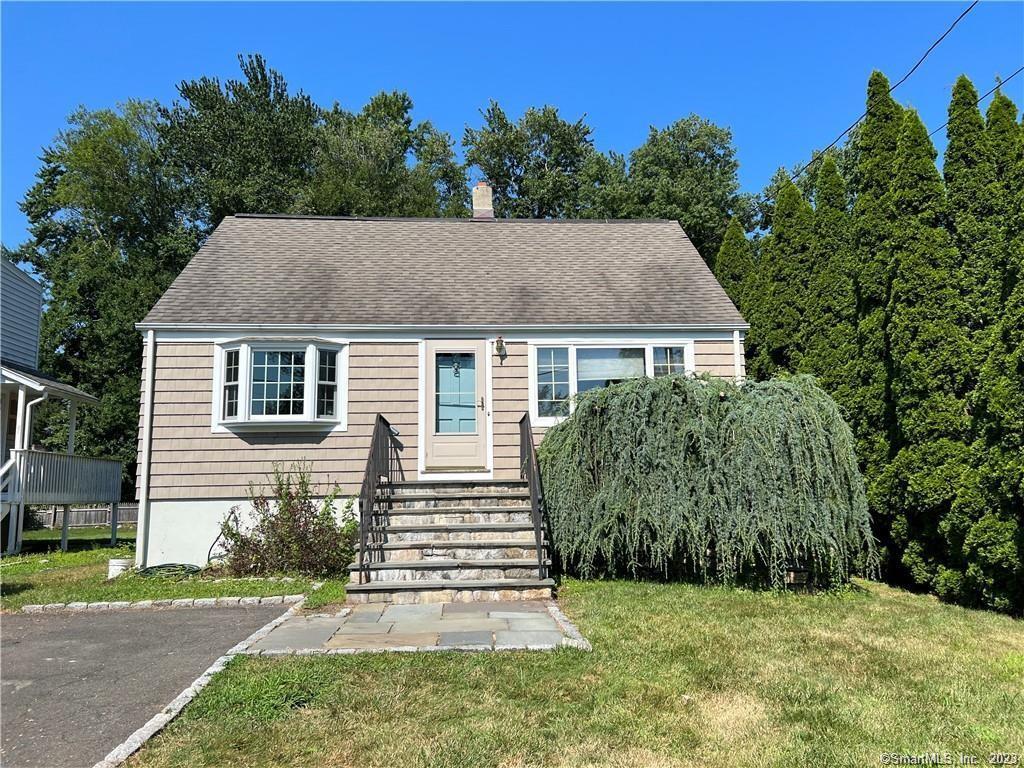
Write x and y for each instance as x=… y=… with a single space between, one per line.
x=483 y=201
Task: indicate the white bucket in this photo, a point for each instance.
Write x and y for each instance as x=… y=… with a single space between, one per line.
x=118 y=565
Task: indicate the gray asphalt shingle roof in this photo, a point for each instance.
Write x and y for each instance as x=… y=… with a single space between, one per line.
x=416 y=272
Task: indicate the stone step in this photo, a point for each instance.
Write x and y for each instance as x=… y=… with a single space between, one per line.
x=448 y=570
x=458 y=510
x=525 y=562
x=452 y=516
x=477 y=499
x=455 y=532
x=440 y=543
x=428 y=550
x=448 y=591
x=457 y=486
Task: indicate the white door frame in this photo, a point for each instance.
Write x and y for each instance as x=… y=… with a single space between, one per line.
x=421 y=409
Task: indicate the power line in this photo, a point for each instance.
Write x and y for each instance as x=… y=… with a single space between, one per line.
x=985 y=96
x=892 y=88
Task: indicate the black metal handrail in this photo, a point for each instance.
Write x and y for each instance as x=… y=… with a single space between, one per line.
x=383 y=468
x=530 y=471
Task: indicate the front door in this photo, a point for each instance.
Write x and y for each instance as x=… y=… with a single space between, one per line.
x=455 y=432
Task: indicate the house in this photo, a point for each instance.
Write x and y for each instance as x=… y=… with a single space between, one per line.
x=29 y=476
x=413 y=363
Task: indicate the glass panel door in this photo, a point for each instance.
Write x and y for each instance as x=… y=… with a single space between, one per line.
x=455 y=390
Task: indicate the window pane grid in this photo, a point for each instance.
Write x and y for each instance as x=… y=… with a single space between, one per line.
x=231 y=384
x=327 y=386
x=278 y=383
x=669 y=360
x=552 y=381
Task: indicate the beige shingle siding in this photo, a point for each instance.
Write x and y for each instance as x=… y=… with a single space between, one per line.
x=410 y=272
x=191 y=462
x=716 y=358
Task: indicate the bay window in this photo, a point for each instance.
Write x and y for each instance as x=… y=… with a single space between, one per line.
x=287 y=383
x=561 y=371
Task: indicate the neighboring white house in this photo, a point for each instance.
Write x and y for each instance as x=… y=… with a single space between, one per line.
x=31 y=476
x=286 y=337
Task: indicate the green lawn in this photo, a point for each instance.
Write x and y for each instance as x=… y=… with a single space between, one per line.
x=88 y=537
x=81 y=576
x=679 y=676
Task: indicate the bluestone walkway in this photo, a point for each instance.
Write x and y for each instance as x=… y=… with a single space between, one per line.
x=524 y=625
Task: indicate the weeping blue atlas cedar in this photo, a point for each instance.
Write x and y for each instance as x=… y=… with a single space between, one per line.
x=700 y=477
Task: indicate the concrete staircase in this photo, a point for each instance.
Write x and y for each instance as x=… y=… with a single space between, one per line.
x=451 y=542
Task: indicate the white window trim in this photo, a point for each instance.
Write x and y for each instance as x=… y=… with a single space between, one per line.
x=572 y=346
x=245 y=421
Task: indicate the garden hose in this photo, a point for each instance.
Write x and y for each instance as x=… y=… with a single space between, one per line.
x=170 y=570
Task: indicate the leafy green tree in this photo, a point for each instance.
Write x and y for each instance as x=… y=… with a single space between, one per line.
x=688 y=172
x=829 y=325
x=605 y=191
x=533 y=164
x=735 y=262
x=776 y=294
x=244 y=146
x=931 y=375
x=109 y=234
x=377 y=162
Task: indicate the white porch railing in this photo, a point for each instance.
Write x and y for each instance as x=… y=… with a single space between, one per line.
x=39 y=477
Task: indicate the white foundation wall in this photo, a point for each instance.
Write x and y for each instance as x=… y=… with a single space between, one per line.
x=182 y=531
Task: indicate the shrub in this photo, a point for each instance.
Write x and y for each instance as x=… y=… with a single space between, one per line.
x=290 y=532
x=703 y=478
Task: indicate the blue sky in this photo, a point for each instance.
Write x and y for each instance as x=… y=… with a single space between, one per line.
x=785 y=77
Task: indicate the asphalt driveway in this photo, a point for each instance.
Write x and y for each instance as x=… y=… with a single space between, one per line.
x=75 y=685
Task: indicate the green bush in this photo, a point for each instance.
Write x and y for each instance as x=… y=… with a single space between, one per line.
x=289 y=531
x=703 y=478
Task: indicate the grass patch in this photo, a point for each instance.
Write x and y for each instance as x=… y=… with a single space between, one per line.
x=680 y=676
x=330 y=595
x=87 y=537
x=81 y=576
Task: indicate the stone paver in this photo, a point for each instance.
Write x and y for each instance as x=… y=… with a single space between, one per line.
x=299 y=632
x=463 y=639
x=462 y=626
x=517 y=639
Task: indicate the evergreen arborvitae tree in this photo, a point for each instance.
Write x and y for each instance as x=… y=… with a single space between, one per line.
x=779 y=287
x=829 y=327
x=970 y=183
x=870 y=411
x=930 y=372
x=735 y=261
x=987 y=567
x=1002 y=142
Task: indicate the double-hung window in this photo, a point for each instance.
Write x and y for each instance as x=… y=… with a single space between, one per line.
x=562 y=371
x=263 y=383
x=231 y=384
x=327 y=384
x=668 y=360
x=552 y=381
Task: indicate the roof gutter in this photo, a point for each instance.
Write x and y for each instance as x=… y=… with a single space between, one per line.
x=493 y=327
